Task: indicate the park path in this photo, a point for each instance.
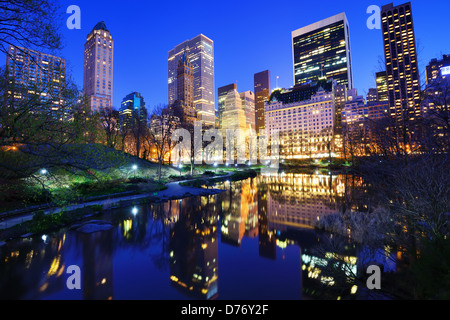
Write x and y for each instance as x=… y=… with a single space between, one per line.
x=174 y=191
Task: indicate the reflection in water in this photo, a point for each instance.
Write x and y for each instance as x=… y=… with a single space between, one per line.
x=193 y=247
x=97 y=270
x=239 y=211
x=180 y=241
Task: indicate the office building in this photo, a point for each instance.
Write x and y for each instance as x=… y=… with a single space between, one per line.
x=36 y=73
x=248 y=105
x=200 y=52
x=221 y=96
x=355 y=111
x=183 y=106
x=132 y=108
x=262 y=93
x=438 y=70
x=234 y=115
x=322 y=51
x=382 y=88
x=438 y=86
x=98 y=68
x=372 y=95
x=401 y=62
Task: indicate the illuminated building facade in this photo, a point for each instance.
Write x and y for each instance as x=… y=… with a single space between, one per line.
x=201 y=55
x=221 y=96
x=401 y=62
x=183 y=107
x=438 y=70
x=248 y=104
x=98 y=68
x=382 y=88
x=322 y=50
x=355 y=110
x=233 y=116
x=32 y=73
x=262 y=93
x=438 y=86
x=132 y=106
x=372 y=95
x=304 y=117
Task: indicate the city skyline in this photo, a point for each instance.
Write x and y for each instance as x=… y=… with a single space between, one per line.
x=235 y=58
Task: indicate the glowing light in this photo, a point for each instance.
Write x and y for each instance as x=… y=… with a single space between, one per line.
x=134 y=167
x=44 y=171
x=354 y=289
x=445 y=71
x=44 y=237
x=134 y=211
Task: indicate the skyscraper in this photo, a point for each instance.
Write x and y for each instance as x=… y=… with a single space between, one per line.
x=183 y=106
x=98 y=67
x=262 y=94
x=233 y=115
x=322 y=50
x=437 y=88
x=221 y=96
x=248 y=105
x=200 y=51
x=438 y=69
x=382 y=90
x=133 y=105
x=37 y=73
x=401 y=62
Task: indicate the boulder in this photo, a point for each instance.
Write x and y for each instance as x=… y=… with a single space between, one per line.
x=94 y=226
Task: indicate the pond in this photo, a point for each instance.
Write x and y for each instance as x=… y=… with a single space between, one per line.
x=255 y=240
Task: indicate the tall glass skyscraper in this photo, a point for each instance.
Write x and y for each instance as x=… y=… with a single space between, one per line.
x=322 y=50
x=201 y=55
x=98 y=67
x=133 y=102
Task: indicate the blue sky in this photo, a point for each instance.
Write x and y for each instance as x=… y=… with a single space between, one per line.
x=249 y=36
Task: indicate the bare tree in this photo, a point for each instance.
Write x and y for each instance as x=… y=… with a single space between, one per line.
x=109 y=119
x=30 y=24
x=159 y=135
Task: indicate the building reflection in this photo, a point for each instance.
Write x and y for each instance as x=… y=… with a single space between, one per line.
x=296 y=201
x=34 y=268
x=239 y=212
x=194 y=247
x=278 y=210
x=97 y=269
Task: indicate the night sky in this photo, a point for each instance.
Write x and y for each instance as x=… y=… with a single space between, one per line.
x=249 y=37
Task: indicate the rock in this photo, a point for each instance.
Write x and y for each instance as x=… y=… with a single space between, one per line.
x=94 y=226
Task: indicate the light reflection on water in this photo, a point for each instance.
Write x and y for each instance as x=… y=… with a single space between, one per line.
x=253 y=241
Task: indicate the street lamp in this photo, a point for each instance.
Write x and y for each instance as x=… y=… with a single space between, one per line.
x=44 y=171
